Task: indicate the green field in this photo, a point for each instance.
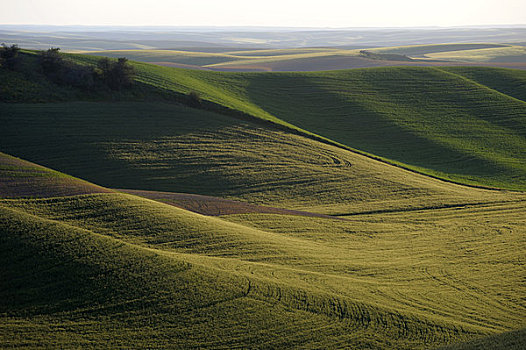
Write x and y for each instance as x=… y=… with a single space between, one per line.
x=434 y=120
x=429 y=50
x=122 y=271
x=398 y=260
x=172 y=56
x=165 y=147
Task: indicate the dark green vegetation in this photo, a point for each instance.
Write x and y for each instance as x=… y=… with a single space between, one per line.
x=405 y=262
x=10 y=57
x=115 y=75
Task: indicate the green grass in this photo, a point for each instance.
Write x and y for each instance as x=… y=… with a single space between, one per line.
x=429 y=119
x=505 y=341
x=166 y=147
x=496 y=54
x=172 y=56
x=460 y=124
x=507 y=81
x=116 y=270
x=19 y=178
x=409 y=261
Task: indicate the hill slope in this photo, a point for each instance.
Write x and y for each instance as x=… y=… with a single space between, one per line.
x=19 y=179
x=432 y=120
x=442 y=122
x=117 y=270
x=167 y=147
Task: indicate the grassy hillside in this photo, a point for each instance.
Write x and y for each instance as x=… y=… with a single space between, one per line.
x=432 y=120
x=506 y=81
x=458 y=124
x=505 y=341
x=19 y=178
x=167 y=147
x=172 y=56
x=117 y=270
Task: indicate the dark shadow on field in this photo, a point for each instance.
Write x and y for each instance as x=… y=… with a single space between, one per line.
x=112 y=144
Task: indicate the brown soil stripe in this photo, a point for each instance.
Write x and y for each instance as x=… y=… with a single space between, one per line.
x=214 y=206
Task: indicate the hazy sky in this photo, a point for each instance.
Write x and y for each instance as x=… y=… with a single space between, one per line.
x=295 y=13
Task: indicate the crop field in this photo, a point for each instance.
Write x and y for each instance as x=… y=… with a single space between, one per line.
x=19 y=178
x=165 y=147
x=201 y=59
x=379 y=208
x=214 y=206
x=324 y=59
x=447 y=120
x=402 y=280
x=498 y=54
x=427 y=50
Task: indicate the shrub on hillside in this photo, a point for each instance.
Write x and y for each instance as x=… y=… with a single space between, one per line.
x=9 y=57
x=194 y=99
x=117 y=74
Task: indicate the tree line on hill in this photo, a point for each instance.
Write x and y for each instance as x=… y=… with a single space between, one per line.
x=107 y=73
x=114 y=74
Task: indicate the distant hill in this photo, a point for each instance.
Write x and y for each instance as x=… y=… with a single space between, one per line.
x=247 y=38
x=324 y=59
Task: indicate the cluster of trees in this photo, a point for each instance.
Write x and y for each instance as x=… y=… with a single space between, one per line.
x=114 y=74
x=65 y=72
x=10 y=57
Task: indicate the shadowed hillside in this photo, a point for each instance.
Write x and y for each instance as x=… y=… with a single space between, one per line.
x=432 y=120
x=166 y=147
x=19 y=179
x=457 y=124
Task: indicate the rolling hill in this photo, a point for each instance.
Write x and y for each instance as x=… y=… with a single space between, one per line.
x=249 y=220
x=116 y=270
x=443 y=122
x=433 y=120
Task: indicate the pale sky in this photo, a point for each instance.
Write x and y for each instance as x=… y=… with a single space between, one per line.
x=284 y=13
